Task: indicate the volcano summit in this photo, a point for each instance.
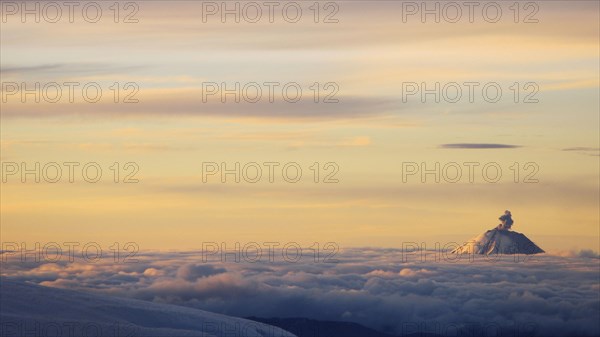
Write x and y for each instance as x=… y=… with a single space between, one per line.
x=500 y=240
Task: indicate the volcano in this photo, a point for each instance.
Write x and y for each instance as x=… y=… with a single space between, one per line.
x=499 y=241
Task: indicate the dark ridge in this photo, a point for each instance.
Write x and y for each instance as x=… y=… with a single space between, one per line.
x=304 y=327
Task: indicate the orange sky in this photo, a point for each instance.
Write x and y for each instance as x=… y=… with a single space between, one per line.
x=370 y=134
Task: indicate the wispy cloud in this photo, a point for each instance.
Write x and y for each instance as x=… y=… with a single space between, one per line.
x=590 y=151
x=9 y=70
x=478 y=146
x=56 y=71
x=188 y=102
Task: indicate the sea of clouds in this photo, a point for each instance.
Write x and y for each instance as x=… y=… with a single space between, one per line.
x=390 y=290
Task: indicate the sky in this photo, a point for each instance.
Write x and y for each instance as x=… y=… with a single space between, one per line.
x=366 y=133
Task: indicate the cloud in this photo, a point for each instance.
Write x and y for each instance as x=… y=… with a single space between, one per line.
x=590 y=151
x=188 y=102
x=152 y=272
x=478 y=146
x=547 y=294
x=582 y=149
x=584 y=253
x=10 y=70
x=64 y=70
x=192 y=272
x=360 y=141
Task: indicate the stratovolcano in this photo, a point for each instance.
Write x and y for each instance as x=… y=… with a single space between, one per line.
x=499 y=241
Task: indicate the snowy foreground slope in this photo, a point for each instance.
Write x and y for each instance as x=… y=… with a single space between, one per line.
x=499 y=241
x=32 y=310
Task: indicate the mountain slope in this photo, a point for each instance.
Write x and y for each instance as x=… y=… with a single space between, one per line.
x=499 y=241
x=28 y=309
x=308 y=327
x=304 y=327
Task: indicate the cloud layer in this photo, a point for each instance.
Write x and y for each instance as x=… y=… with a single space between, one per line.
x=538 y=296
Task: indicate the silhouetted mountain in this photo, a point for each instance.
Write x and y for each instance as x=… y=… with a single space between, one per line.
x=304 y=327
